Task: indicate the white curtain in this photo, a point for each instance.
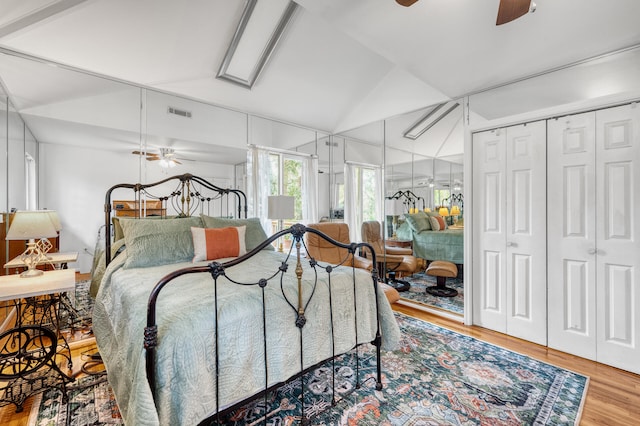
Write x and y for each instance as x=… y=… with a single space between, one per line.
x=258 y=178
x=350 y=199
x=30 y=182
x=310 y=189
x=379 y=198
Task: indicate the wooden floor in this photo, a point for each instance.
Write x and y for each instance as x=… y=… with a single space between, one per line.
x=613 y=396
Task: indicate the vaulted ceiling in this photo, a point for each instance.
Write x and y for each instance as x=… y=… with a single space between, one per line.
x=339 y=64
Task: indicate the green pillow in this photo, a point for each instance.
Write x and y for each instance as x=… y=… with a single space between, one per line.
x=254 y=233
x=418 y=221
x=152 y=242
x=118 y=234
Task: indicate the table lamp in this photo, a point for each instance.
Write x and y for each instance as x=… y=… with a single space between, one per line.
x=43 y=244
x=281 y=207
x=32 y=226
x=455 y=212
x=393 y=208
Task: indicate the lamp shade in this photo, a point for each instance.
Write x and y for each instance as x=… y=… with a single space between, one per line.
x=34 y=224
x=443 y=211
x=281 y=207
x=393 y=207
x=55 y=219
x=455 y=210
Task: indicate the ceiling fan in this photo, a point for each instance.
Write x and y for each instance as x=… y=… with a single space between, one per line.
x=166 y=157
x=508 y=10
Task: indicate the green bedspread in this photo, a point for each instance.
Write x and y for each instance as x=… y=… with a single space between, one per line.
x=435 y=245
x=185 y=360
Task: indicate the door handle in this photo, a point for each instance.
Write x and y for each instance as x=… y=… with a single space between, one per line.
x=592 y=251
x=511 y=244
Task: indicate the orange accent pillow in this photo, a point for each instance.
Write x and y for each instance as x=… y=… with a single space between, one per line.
x=437 y=223
x=218 y=243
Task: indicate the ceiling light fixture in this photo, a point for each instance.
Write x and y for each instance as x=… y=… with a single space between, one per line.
x=430 y=119
x=166 y=158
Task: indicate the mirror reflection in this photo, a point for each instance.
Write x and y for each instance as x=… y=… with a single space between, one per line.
x=401 y=172
x=424 y=198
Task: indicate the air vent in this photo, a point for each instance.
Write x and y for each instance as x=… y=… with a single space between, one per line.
x=180 y=112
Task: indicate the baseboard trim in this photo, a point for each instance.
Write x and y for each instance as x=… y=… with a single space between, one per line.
x=434 y=311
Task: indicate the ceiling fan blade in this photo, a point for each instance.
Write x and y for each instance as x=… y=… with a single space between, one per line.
x=406 y=3
x=512 y=9
x=148 y=154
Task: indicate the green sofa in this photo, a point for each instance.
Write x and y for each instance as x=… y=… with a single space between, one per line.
x=428 y=244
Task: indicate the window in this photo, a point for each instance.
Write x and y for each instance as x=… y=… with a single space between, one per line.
x=270 y=172
x=366 y=194
x=362 y=196
x=286 y=179
x=439 y=195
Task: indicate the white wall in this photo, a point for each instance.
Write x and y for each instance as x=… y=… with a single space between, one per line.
x=74 y=180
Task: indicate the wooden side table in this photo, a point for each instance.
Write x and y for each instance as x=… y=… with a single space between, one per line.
x=392 y=242
x=58 y=260
x=29 y=351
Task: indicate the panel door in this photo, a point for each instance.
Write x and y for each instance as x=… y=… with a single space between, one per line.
x=618 y=236
x=489 y=237
x=571 y=237
x=526 y=232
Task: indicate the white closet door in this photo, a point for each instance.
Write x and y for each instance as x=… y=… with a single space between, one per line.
x=509 y=231
x=489 y=236
x=571 y=234
x=526 y=232
x=618 y=236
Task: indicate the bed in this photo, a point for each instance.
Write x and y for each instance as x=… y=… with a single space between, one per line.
x=184 y=341
x=429 y=243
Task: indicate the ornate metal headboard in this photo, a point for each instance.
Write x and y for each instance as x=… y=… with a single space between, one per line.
x=190 y=196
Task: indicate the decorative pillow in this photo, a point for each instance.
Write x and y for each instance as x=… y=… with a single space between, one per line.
x=418 y=221
x=118 y=233
x=152 y=242
x=253 y=236
x=216 y=243
x=437 y=223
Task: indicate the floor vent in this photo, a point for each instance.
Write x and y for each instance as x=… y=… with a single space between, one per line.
x=180 y=112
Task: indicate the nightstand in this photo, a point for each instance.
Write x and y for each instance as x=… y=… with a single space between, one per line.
x=29 y=351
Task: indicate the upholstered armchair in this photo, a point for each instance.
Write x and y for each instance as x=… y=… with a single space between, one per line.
x=391 y=259
x=322 y=250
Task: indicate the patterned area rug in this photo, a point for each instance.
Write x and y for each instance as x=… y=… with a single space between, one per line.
x=436 y=377
x=91 y=402
x=420 y=281
x=76 y=312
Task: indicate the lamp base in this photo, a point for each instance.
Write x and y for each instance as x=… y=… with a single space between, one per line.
x=29 y=273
